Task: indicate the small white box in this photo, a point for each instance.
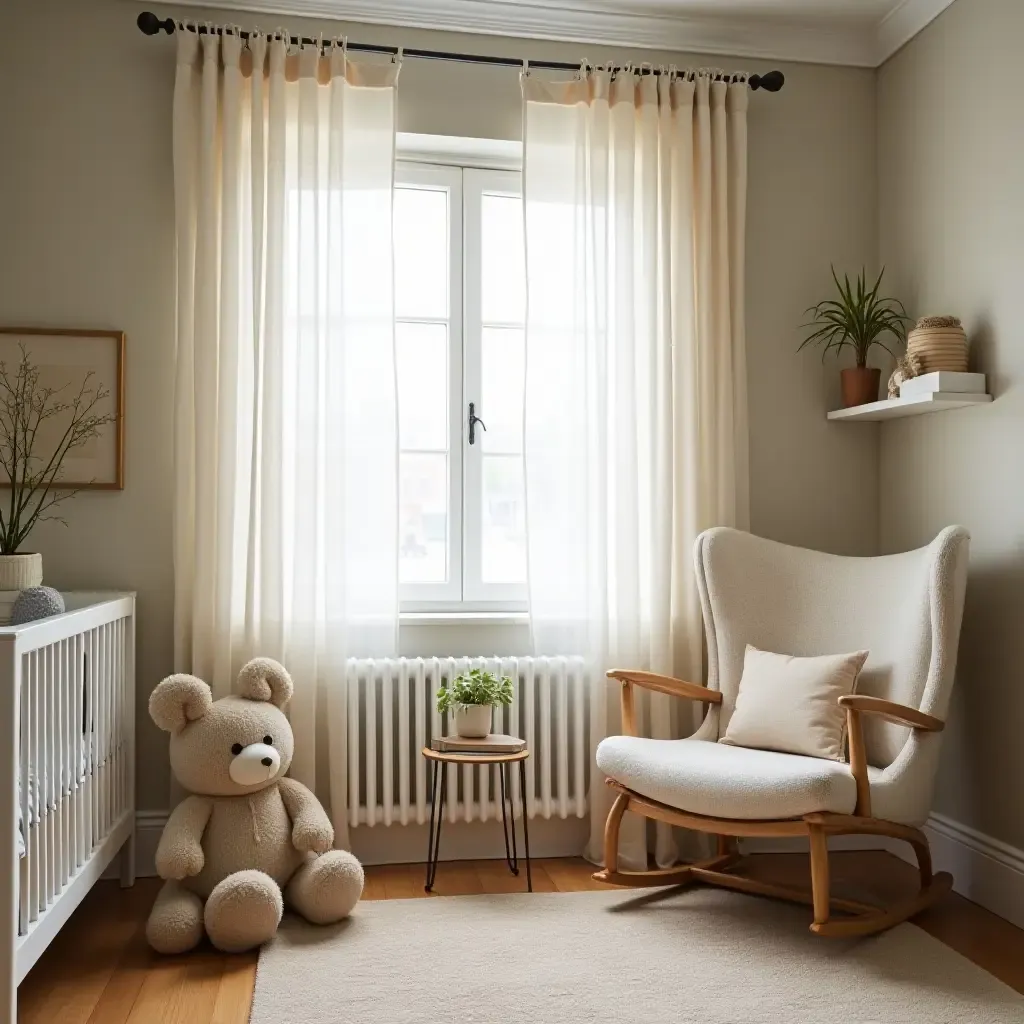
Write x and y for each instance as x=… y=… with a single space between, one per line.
x=943 y=380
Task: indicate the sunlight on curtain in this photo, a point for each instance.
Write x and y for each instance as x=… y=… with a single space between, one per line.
x=285 y=397
x=635 y=415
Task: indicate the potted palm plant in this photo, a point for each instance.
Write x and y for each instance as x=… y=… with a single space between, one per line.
x=39 y=427
x=470 y=701
x=858 y=318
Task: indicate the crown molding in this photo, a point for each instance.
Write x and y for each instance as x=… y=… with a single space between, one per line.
x=758 y=38
x=903 y=22
x=573 y=21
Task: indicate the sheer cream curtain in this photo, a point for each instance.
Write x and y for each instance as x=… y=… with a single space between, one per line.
x=286 y=451
x=635 y=419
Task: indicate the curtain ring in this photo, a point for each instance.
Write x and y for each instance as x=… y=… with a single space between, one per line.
x=396 y=58
x=526 y=67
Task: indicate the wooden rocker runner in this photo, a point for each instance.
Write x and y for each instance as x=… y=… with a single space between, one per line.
x=906 y=610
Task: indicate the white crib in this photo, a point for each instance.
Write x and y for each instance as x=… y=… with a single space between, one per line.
x=67 y=770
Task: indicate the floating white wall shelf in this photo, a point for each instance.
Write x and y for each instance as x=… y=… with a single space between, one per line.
x=914 y=405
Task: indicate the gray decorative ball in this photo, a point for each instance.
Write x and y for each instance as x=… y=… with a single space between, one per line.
x=36 y=603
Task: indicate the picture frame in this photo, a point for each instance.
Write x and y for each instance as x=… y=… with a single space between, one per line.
x=64 y=357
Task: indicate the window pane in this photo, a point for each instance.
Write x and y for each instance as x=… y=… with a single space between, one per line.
x=423 y=518
x=421 y=252
x=421 y=353
x=503 y=555
x=503 y=272
x=503 y=365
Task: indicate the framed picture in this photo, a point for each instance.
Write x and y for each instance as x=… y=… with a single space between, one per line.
x=72 y=365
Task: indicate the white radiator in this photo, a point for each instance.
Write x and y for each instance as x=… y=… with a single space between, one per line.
x=392 y=715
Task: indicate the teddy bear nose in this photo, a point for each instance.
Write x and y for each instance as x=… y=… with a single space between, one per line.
x=267 y=761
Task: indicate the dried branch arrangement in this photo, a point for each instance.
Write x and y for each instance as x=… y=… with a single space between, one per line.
x=34 y=477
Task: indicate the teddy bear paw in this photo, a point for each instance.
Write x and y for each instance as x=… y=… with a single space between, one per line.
x=311 y=837
x=180 y=862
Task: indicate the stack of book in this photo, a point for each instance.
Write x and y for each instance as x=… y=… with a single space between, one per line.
x=943 y=381
x=492 y=744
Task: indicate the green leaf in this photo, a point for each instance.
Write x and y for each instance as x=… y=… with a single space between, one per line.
x=858 y=317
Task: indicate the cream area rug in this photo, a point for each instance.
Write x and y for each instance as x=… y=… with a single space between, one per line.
x=703 y=956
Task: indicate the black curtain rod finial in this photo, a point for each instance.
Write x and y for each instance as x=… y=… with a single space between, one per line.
x=150 y=25
x=770 y=81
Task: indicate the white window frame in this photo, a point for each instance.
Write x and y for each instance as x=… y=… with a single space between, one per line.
x=475 y=184
x=464 y=591
x=415 y=597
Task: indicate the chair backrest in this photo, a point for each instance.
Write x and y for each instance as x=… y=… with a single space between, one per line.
x=904 y=609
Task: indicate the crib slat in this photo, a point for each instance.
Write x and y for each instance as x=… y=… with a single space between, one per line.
x=92 y=691
x=77 y=683
x=68 y=782
x=46 y=771
x=120 y=725
x=66 y=772
x=25 y=742
x=57 y=786
x=36 y=760
x=104 y=681
x=115 y=722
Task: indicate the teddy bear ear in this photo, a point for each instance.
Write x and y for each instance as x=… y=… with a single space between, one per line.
x=265 y=679
x=178 y=700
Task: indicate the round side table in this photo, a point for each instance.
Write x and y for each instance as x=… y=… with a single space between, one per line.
x=438 y=789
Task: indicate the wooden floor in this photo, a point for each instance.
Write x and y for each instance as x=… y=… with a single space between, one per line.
x=100 y=970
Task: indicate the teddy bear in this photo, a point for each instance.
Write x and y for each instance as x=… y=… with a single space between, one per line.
x=247 y=840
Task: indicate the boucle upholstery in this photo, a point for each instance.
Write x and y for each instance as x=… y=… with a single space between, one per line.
x=728 y=782
x=905 y=609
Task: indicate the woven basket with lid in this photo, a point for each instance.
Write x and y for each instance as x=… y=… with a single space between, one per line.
x=940 y=343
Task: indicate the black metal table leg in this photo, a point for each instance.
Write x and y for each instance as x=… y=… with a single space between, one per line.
x=437 y=794
x=510 y=858
x=526 y=827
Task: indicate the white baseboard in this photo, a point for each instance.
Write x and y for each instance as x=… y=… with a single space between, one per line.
x=408 y=844
x=986 y=871
x=460 y=840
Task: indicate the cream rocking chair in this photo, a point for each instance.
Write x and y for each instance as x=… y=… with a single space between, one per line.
x=905 y=609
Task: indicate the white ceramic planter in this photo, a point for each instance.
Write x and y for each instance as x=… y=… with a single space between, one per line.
x=19 y=572
x=473 y=721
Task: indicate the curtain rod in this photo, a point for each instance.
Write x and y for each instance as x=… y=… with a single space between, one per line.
x=151 y=25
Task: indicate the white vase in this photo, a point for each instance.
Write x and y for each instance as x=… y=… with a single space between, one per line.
x=472 y=721
x=19 y=572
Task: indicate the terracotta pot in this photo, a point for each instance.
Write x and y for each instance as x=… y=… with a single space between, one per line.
x=860 y=385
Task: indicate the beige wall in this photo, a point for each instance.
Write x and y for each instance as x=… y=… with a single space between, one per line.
x=951 y=171
x=87 y=240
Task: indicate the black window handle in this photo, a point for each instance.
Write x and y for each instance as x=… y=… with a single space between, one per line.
x=473 y=421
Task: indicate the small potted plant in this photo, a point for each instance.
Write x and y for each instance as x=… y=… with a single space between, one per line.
x=39 y=427
x=859 y=319
x=470 y=701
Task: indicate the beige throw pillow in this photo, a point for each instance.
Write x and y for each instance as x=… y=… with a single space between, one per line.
x=792 y=704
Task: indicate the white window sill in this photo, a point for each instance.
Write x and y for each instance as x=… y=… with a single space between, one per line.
x=464 y=619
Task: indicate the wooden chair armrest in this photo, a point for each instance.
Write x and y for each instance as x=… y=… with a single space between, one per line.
x=892 y=712
x=666 y=684
x=857 y=704
x=628 y=678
